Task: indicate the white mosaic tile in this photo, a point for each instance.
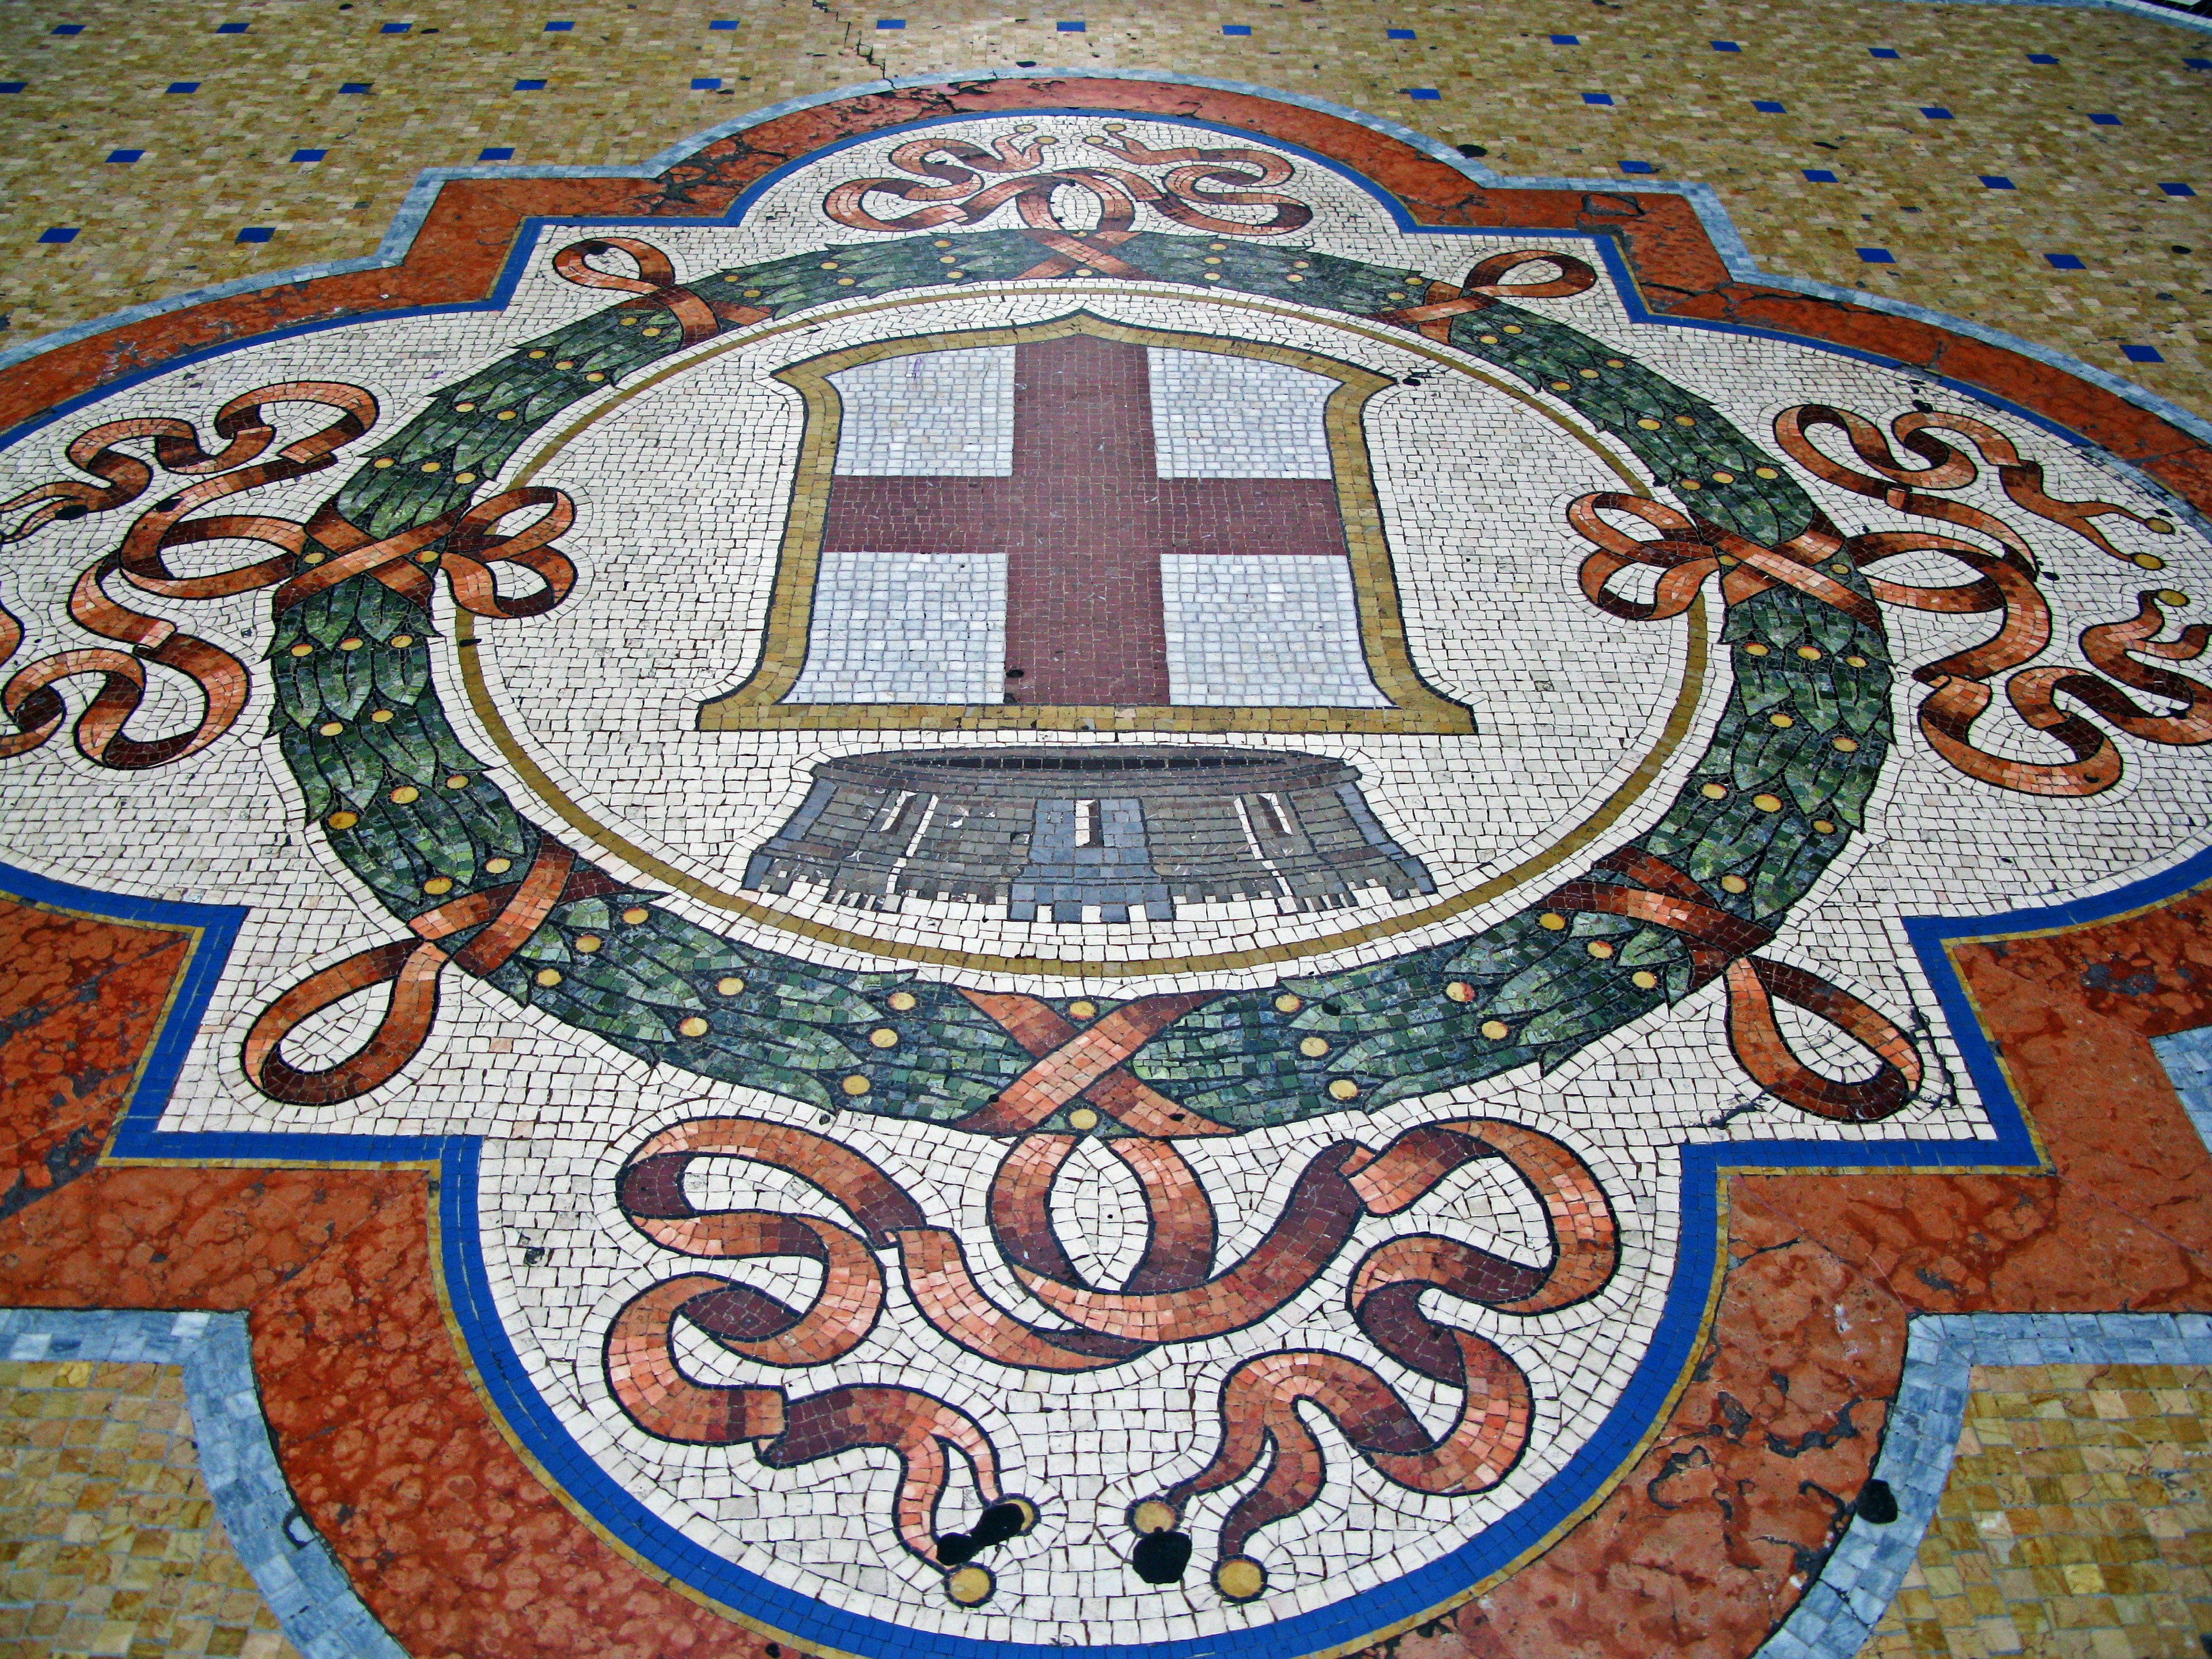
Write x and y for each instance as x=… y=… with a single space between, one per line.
x=944 y=414
x=907 y=628
x=1262 y=629
x=1216 y=416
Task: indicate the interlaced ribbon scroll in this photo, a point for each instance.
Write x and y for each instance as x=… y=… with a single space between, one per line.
x=645 y=1379
x=310 y=558
x=960 y=196
x=1260 y=1398
x=2006 y=584
x=29 y=697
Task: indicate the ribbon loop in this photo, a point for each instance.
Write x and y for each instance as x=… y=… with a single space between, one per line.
x=1485 y=285
x=408 y=966
x=1763 y=1052
x=507 y=915
x=1687 y=550
x=473 y=546
x=1721 y=943
x=655 y=283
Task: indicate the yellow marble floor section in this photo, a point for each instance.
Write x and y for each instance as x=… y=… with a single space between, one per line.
x=109 y=1543
x=2077 y=1523
x=619 y=89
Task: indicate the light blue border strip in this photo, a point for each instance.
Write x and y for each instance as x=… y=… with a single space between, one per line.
x=2187 y=1058
x=1855 y=1588
x=291 y=1564
x=415 y=209
x=2156 y=13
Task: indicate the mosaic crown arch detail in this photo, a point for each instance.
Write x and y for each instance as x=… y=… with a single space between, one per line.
x=814 y=1324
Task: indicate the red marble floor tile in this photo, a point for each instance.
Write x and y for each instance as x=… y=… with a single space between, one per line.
x=451 y=1538
x=80 y=999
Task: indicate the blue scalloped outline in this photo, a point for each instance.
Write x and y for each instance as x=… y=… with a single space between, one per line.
x=1680 y=1328
x=1680 y=1331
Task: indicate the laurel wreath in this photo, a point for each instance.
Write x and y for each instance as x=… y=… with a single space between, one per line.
x=416 y=817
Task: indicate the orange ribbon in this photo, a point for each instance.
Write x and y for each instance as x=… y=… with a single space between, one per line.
x=1085 y=1062
x=508 y=915
x=300 y=568
x=1485 y=285
x=29 y=698
x=1259 y=1400
x=1959 y=693
x=960 y=196
x=654 y=285
x=1720 y=943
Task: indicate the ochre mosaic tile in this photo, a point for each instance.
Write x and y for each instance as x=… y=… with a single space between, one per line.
x=618 y=88
x=1032 y=1142
x=2077 y=1523
x=109 y=1542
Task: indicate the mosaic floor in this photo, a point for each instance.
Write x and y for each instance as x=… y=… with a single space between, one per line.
x=1098 y=861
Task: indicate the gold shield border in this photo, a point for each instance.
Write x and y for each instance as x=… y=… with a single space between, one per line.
x=759 y=704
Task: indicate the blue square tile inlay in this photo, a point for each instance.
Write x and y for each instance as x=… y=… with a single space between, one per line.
x=2139 y=353
x=1597 y=98
x=309 y=154
x=125 y=157
x=1997 y=181
x=1397 y=35
x=2105 y=120
x=1237 y=28
x=2041 y=57
x=496 y=153
x=1726 y=45
x=1637 y=167
x=1423 y=92
x=1881 y=51
x=2177 y=189
x=706 y=82
x=58 y=233
x=1566 y=39
x=13 y=86
x=183 y=86
x=395 y=29
x=1936 y=113
x=2197 y=63
x=356 y=86
x=1876 y=256
x=559 y=28
x=1766 y=107
x=1070 y=28
x=731 y=22
x=67 y=28
x=530 y=85
x=2064 y=261
x=232 y=29
x=256 y=233
x=1818 y=176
